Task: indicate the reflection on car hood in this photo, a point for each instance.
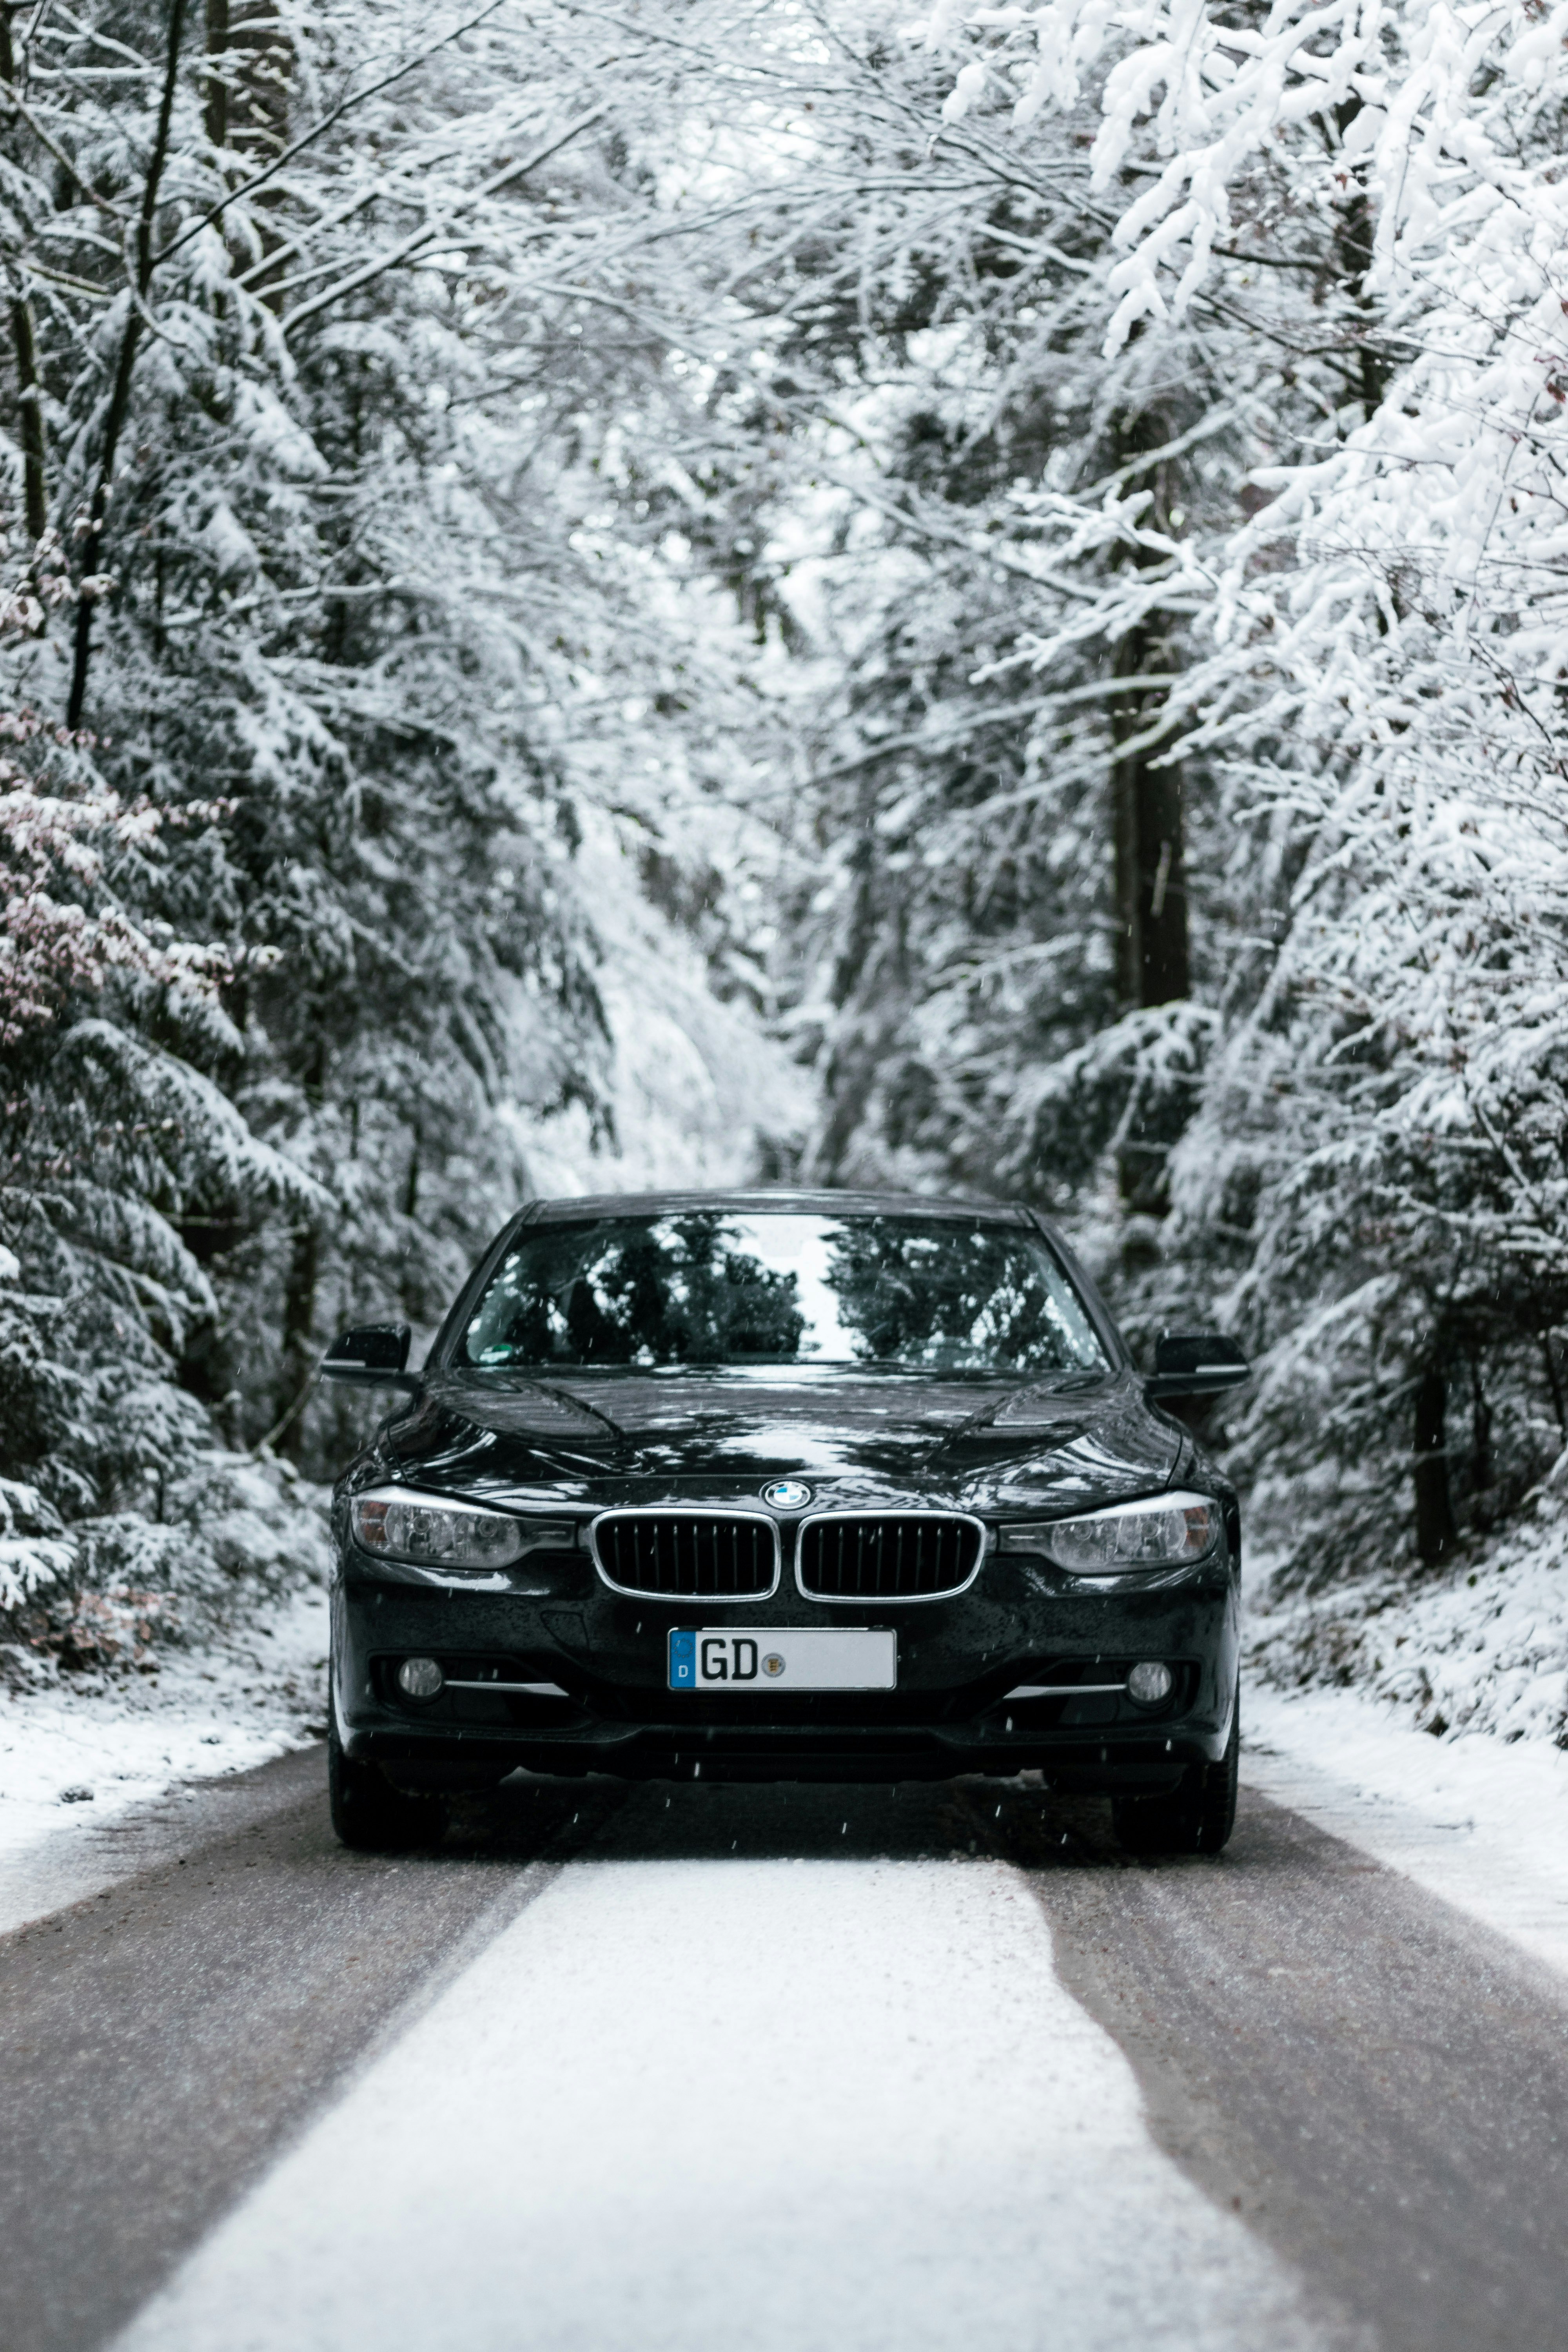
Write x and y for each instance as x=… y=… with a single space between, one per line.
x=638 y=1437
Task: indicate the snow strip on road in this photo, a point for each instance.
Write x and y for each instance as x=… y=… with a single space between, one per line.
x=1480 y=1821
x=740 y=2107
x=73 y=1764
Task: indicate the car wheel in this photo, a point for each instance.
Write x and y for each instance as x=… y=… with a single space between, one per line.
x=1198 y=1819
x=369 y=1814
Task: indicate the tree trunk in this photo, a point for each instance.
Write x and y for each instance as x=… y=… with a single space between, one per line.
x=1152 y=965
x=1435 y=1535
x=35 y=503
x=1554 y=1382
x=215 y=115
x=1480 y=1431
x=1150 y=875
x=1150 y=866
x=120 y=395
x=34 y=499
x=298 y=1343
x=1355 y=241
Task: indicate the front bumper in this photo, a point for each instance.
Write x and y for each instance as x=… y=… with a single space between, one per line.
x=1023 y=1621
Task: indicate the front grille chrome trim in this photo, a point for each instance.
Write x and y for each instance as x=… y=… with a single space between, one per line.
x=888 y=1600
x=683 y=1511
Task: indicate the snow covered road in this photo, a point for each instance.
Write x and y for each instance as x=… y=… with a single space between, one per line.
x=776 y=2067
x=698 y=2105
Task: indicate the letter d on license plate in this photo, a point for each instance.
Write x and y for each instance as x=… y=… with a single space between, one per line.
x=784 y=1657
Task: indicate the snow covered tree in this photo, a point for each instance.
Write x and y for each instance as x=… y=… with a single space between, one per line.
x=1377 y=1169
x=1025 y=556
x=990 y=866
x=352 y=626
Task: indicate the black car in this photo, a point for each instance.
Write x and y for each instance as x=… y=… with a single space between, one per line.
x=785 y=1486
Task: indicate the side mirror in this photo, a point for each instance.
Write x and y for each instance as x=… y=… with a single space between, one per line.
x=373 y=1357
x=1194 y=1364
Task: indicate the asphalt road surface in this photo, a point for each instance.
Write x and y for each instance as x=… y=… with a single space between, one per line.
x=737 y=2070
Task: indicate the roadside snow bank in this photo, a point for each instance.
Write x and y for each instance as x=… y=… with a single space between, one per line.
x=101 y=1596
x=1480 y=1822
x=1422 y=1714
x=157 y=1650
x=1479 y=1645
x=93 y=1750
x=83 y=1772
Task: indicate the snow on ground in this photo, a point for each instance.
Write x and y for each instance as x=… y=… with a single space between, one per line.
x=1423 y=1715
x=1480 y=1644
x=1478 y=1821
x=74 y=1759
x=805 y=2104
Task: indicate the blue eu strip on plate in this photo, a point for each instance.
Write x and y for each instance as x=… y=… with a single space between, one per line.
x=682 y=1660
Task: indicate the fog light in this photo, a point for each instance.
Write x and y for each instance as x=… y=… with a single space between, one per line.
x=421 y=1677
x=1149 y=1681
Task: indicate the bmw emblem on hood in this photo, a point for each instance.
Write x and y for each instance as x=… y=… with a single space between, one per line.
x=788 y=1495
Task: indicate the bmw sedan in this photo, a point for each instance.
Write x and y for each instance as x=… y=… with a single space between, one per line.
x=785 y=1486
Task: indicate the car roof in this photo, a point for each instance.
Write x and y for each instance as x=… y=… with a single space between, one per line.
x=773 y=1200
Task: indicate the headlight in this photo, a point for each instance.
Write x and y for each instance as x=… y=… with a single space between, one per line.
x=1166 y=1532
x=448 y=1534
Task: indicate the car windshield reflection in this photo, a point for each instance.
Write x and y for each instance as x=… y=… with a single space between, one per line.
x=752 y=1289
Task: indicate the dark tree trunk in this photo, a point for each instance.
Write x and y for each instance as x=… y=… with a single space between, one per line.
x=119 y=392
x=1152 y=964
x=29 y=403
x=215 y=117
x=1481 y=1429
x=298 y=1343
x=1371 y=365
x=1150 y=866
x=1151 y=877
x=1435 y=1535
x=30 y=413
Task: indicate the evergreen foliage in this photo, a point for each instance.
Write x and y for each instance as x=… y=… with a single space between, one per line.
x=554 y=550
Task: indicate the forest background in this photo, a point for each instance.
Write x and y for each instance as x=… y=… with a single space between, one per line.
x=682 y=591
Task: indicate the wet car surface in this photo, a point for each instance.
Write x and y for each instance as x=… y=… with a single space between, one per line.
x=891 y=1453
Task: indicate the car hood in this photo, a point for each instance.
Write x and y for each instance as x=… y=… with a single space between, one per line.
x=1002 y=1446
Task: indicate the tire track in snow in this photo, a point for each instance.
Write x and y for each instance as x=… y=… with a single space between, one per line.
x=159 y=2041
x=1377 y=2083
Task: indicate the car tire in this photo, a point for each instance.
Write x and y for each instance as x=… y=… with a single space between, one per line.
x=1198 y=1818
x=369 y=1814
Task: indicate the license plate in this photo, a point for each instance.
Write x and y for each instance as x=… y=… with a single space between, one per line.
x=808 y=1658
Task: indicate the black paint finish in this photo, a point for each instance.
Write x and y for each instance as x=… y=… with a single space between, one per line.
x=572 y=1444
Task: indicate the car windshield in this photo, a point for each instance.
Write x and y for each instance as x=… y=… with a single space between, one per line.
x=893 y=1293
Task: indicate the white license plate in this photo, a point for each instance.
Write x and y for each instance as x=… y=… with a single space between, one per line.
x=804 y=1658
